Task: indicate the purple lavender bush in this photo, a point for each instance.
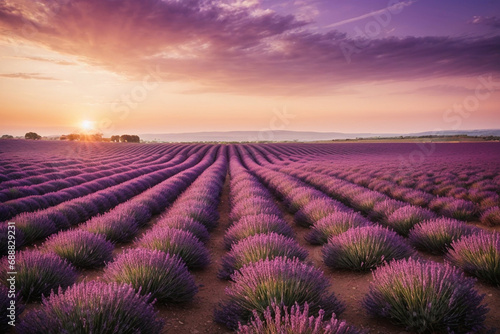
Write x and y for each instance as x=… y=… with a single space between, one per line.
x=436 y=235
x=259 y=247
x=439 y=202
x=207 y=216
x=115 y=226
x=177 y=242
x=254 y=206
x=479 y=255
x=365 y=248
x=256 y=224
x=334 y=224
x=34 y=226
x=81 y=248
x=460 y=209
x=93 y=307
x=382 y=210
x=161 y=276
x=491 y=217
x=426 y=297
x=281 y=320
x=139 y=211
x=402 y=220
x=186 y=224
x=365 y=201
x=38 y=274
x=314 y=211
x=300 y=197
x=281 y=280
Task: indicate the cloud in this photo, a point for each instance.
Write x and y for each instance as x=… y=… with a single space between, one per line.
x=29 y=76
x=235 y=46
x=491 y=21
x=394 y=8
x=440 y=90
x=48 y=60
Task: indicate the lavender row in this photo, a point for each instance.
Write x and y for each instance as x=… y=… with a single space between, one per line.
x=265 y=265
x=158 y=268
x=91 y=247
x=459 y=208
x=350 y=241
x=73 y=177
x=184 y=228
x=366 y=247
x=41 y=224
x=42 y=165
x=362 y=248
x=156 y=275
x=38 y=202
x=85 y=186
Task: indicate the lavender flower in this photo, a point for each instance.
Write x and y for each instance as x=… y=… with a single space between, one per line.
x=478 y=255
x=93 y=307
x=491 y=217
x=383 y=209
x=365 y=201
x=302 y=196
x=81 y=248
x=205 y=215
x=256 y=224
x=186 y=224
x=35 y=226
x=402 y=220
x=282 y=281
x=316 y=210
x=259 y=247
x=140 y=212
x=334 y=224
x=365 y=248
x=254 y=206
x=426 y=298
x=153 y=273
x=418 y=198
x=115 y=226
x=460 y=209
x=177 y=242
x=38 y=274
x=281 y=320
x=436 y=235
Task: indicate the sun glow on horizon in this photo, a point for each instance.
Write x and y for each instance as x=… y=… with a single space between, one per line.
x=87 y=125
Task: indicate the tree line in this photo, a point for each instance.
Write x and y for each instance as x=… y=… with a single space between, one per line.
x=94 y=137
x=98 y=137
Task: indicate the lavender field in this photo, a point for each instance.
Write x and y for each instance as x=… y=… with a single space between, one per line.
x=250 y=238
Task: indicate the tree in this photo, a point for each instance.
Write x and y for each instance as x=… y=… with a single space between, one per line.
x=33 y=136
x=115 y=139
x=7 y=137
x=73 y=136
x=130 y=139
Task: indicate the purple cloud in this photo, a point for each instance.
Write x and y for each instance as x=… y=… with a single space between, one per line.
x=491 y=21
x=236 y=46
x=35 y=76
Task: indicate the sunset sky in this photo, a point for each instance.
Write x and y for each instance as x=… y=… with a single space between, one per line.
x=157 y=66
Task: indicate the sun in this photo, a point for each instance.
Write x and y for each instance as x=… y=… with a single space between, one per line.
x=87 y=125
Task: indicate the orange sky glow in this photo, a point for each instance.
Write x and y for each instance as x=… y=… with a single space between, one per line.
x=166 y=66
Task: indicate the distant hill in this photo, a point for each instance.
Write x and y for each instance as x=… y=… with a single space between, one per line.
x=301 y=136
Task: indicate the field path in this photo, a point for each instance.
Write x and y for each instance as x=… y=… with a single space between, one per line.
x=197 y=317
